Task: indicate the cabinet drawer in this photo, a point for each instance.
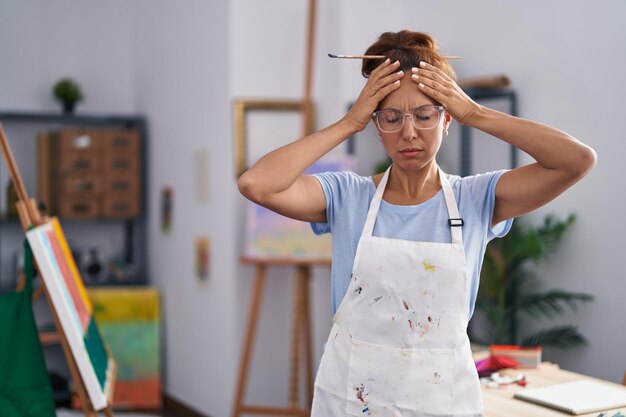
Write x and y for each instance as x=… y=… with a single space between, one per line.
x=121 y=185
x=74 y=184
x=121 y=205
x=80 y=207
x=121 y=143
x=79 y=151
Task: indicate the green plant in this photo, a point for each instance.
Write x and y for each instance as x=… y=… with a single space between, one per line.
x=67 y=91
x=508 y=293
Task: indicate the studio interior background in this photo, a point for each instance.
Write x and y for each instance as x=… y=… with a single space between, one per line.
x=183 y=64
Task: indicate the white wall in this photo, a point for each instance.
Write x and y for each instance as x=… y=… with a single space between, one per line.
x=181 y=84
x=182 y=64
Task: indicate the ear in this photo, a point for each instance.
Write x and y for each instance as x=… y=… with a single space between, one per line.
x=447 y=119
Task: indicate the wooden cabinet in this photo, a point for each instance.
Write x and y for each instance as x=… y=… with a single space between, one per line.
x=90 y=172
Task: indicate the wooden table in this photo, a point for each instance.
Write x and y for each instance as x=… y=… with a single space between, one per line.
x=499 y=402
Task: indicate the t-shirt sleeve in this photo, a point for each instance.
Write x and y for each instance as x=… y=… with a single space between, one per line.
x=338 y=188
x=328 y=182
x=483 y=192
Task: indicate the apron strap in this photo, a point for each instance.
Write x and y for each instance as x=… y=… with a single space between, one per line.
x=454 y=219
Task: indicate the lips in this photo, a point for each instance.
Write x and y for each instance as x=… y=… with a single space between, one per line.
x=411 y=152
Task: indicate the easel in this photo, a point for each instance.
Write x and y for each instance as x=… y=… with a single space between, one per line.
x=300 y=337
x=29 y=216
x=301 y=324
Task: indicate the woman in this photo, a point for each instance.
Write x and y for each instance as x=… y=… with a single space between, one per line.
x=408 y=244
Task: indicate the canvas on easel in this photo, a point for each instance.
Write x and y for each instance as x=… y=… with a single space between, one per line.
x=91 y=365
x=73 y=308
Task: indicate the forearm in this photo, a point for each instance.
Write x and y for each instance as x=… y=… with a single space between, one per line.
x=279 y=169
x=550 y=147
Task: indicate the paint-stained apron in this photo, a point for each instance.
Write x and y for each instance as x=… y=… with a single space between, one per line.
x=398 y=346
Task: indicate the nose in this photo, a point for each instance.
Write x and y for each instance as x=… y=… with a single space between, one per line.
x=409 y=132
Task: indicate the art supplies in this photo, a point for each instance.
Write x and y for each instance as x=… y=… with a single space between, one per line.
x=524 y=357
x=578 y=397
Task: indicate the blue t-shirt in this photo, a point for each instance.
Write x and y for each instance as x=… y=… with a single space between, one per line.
x=348 y=198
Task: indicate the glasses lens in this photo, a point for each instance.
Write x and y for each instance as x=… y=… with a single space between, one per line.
x=390 y=120
x=426 y=117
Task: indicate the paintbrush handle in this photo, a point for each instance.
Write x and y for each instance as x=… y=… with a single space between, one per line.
x=378 y=56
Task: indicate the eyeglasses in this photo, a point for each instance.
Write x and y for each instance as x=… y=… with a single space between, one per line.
x=392 y=120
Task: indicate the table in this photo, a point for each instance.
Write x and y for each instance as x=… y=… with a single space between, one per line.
x=499 y=402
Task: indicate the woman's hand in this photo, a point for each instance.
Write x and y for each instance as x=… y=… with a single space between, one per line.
x=440 y=87
x=382 y=81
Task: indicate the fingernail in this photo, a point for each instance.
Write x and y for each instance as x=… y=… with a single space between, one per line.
x=400 y=72
x=397 y=82
x=422 y=64
x=421 y=85
x=396 y=63
x=414 y=69
x=415 y=76
x=387 y=61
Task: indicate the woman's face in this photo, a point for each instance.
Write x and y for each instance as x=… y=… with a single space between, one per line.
x=410 y=148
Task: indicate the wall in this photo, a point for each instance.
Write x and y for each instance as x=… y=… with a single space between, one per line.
x=181 y=79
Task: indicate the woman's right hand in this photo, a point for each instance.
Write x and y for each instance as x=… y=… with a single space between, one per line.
x=382 y=81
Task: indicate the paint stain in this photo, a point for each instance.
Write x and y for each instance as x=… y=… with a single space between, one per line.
x=406 y=306
x=360 y=395
x=436 y=380
x=430 y=319
x=428 y=266
x=411 y=325
x=358 y=290
x=377 y=299
x=352 y=277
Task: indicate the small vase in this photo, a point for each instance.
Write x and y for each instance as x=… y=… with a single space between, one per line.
x=68 y=107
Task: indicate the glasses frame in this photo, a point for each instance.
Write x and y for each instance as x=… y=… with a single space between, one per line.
x=439 y=108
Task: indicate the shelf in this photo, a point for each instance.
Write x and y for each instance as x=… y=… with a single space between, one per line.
x=71 y=119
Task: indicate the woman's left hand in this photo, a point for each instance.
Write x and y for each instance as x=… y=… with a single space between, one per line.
x=440 y=87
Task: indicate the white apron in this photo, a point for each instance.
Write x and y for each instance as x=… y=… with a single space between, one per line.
x=398 y=346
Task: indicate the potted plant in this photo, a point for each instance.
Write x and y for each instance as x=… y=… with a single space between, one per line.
x=68 y=92
x=508 y=291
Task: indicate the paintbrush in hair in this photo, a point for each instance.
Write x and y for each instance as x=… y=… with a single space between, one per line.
x=377 y=56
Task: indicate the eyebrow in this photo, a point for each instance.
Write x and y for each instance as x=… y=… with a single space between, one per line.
x=416 y=107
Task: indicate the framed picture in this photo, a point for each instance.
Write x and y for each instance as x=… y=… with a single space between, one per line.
x=242 y=109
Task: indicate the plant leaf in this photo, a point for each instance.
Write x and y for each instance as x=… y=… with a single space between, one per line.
x=551 y=303
x=561 y=337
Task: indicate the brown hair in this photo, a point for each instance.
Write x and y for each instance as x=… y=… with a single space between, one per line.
x=409 y=48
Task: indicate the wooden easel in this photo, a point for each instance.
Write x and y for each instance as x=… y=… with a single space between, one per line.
x=301 y=325
x=300 y=338
x=29 y=216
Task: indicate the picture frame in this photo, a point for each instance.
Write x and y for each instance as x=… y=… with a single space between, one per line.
x=241 y=109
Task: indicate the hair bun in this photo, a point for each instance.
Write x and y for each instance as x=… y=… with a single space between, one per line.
x=421 y=40
x=409 y=48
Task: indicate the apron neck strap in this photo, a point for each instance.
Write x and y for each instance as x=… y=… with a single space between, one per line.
x=454 y=219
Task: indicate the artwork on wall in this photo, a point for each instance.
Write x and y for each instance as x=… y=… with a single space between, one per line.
x=74 y=309
x=201 y=175
x=270 y=235
x=167 y=203
x=203 y=259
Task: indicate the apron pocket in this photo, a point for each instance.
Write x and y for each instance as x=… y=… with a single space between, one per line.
x=382 y=380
